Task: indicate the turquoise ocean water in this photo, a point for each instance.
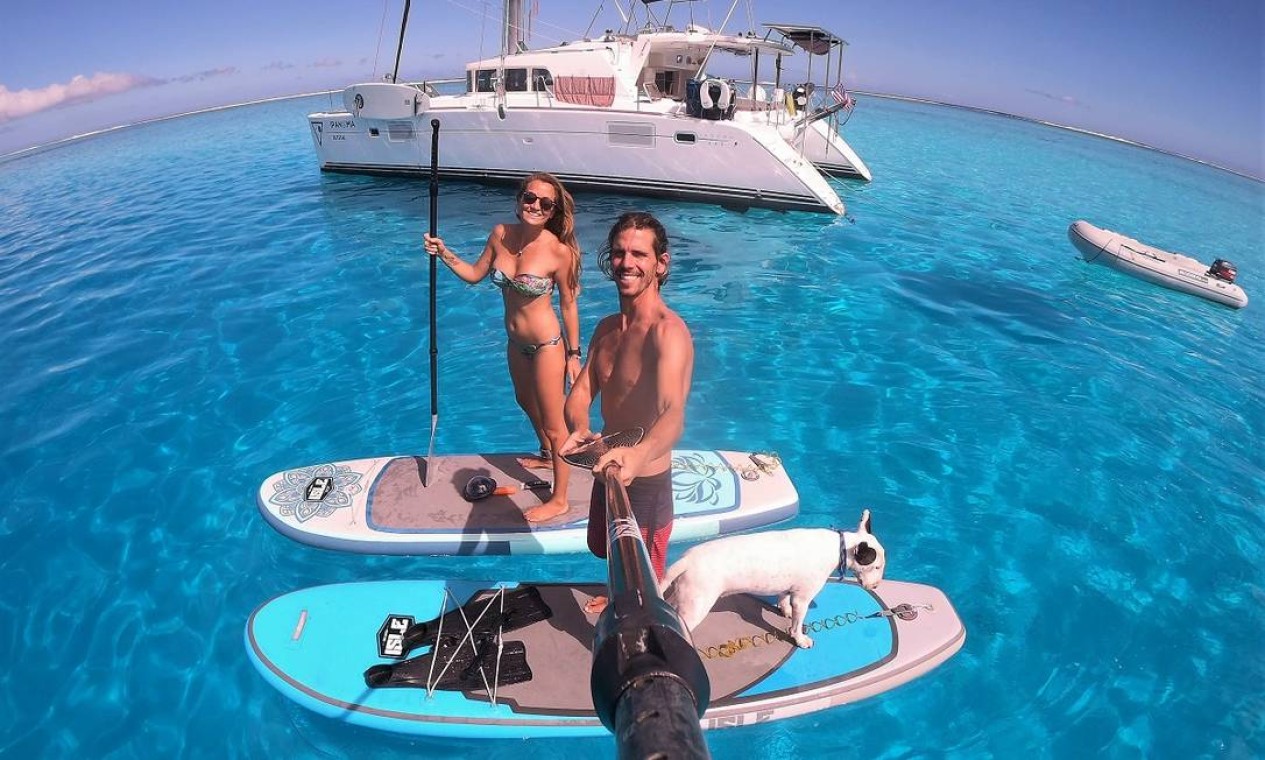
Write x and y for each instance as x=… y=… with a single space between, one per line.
x=1073 y=456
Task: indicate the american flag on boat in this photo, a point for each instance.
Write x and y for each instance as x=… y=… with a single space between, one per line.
x=841 y=96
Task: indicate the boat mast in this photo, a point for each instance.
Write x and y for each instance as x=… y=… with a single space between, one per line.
x=399 y=47
x=513 y=35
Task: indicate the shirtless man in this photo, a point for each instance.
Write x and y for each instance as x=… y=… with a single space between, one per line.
x=640 y=362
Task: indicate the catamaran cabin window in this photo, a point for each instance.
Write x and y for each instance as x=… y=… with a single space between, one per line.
x=484 y=80
x=516 y=80
x=542 y=78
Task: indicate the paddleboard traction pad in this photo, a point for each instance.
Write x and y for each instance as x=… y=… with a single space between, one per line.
x=703 y=483
x=317 y=491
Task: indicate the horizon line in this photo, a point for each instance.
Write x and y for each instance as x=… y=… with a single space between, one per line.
x=1056 y=125
x=41 y=148
x=60 y=142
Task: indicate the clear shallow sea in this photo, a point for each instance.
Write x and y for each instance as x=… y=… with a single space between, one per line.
x=1073 y=456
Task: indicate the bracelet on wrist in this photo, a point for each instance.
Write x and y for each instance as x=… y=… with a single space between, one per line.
x=574 y=352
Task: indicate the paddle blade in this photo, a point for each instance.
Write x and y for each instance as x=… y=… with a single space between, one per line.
x=587 y=455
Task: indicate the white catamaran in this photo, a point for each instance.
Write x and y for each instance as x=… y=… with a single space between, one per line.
x=632 y=111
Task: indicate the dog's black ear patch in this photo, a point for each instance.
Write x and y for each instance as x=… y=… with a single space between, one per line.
x=868 y=529
x=865 y=554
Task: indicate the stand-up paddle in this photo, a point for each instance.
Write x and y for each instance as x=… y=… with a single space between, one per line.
x=649 y=686
x=434 y=351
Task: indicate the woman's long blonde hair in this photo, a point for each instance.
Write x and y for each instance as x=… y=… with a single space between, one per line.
x=562 y=222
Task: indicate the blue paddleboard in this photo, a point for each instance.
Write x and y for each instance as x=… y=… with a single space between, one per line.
x=319 y=645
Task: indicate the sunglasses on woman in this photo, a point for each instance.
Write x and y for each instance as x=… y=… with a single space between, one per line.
x=527 y=198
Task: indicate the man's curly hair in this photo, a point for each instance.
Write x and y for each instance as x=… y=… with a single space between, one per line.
x=635 y=220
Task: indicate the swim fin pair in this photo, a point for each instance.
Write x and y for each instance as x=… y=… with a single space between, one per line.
x=485 y=615
x=457 y=664
x=467 y=656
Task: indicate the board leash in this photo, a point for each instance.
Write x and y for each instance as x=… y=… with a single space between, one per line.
x=734 y=646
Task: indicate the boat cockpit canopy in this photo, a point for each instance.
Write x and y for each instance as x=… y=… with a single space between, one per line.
x=812 y=39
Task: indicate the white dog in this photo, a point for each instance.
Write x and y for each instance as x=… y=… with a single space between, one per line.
x=792 y=564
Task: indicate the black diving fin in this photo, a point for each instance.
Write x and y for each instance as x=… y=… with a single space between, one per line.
x=459 y=664
x=521 y=607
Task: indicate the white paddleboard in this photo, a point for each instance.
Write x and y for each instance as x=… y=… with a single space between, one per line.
x=379 y=505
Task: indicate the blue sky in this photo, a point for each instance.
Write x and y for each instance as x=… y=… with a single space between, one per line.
x=1187 y=77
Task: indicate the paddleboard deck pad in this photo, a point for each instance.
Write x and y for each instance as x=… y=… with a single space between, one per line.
x=422 y=657
x=379 y=506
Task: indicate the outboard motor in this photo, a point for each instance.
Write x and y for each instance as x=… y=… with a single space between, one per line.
x=1223 y=270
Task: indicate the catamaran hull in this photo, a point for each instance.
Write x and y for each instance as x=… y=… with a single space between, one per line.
x=720 y=162
x=829 y=152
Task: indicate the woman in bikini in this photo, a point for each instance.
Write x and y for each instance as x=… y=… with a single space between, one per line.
x=528 y=260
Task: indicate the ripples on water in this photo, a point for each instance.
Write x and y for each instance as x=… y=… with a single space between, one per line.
x=1072 y=455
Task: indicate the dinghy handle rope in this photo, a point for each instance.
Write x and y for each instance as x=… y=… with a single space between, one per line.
x=734 y=646
x=1101 y=248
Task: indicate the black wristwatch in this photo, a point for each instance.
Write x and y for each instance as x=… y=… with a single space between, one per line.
x=574 y=352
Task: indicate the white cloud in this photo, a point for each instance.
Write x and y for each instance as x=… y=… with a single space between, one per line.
x=202 y=76
x=19 y=103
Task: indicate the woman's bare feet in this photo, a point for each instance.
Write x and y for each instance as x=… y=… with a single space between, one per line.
x=542 y=461
x=595 y=605
x=546 y=511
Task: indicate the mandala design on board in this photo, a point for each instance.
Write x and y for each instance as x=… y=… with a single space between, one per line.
x=317 y=491
x=695 y=480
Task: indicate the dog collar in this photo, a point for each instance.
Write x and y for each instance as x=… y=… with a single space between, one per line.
x=843 y=555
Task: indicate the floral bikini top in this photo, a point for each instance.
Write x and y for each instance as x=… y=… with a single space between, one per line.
x=532 y=285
